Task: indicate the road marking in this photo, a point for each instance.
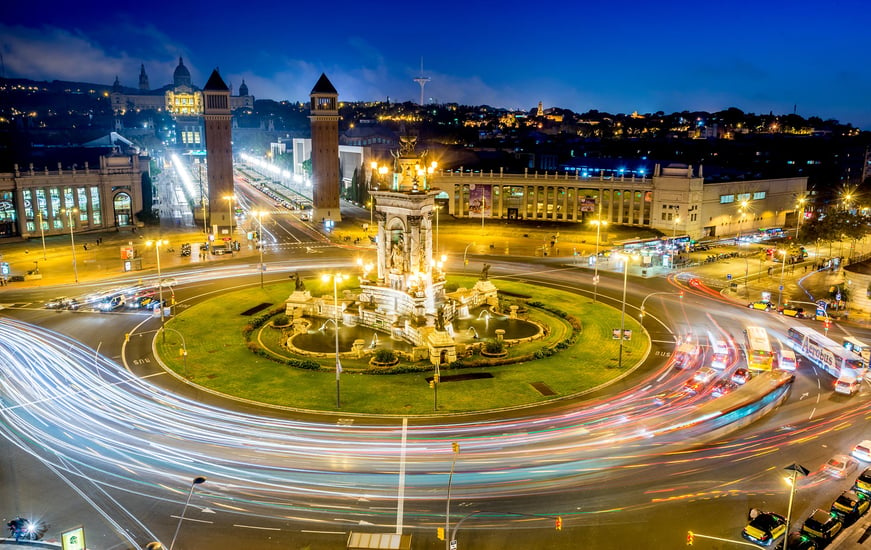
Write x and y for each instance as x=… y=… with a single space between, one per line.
x=256 y=527
x=324 y=532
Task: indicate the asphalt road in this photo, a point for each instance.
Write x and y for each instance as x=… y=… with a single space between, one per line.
x=587 y=461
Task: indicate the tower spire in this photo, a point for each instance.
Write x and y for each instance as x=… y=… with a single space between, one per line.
x=422 y=80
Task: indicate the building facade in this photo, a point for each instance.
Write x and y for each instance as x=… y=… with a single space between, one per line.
x=673 y=200
x=46 y=202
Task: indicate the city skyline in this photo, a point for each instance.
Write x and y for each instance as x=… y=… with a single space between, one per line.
x=628 y=56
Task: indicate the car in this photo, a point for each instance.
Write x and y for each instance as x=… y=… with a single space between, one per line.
x=791 y=310
x=763 y=305
x=168 y=282
x=850 y=506
x=822 y=525
x=863 y=482
x=61 y=302
x=798 y=541
x=705 y=375
x=723 y=387
x=692 y=387
x=840 y=466
x=862 y=451
x=765 y=529
x=741 y=376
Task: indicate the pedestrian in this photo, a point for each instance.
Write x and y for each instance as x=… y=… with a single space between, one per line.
x=769 y=271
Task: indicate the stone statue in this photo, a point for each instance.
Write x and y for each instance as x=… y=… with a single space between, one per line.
x=298 y=284
x=440 y=318
x=396 y=257
x=485 y=272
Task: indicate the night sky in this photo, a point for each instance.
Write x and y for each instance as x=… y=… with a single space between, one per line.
x=617 y=56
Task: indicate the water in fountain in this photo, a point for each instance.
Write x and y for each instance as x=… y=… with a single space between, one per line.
x=374 y=340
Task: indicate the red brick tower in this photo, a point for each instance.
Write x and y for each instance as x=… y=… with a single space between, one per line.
x=325 y=152
x=219 y=151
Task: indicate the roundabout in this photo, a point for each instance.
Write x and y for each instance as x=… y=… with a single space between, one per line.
x=249 y=358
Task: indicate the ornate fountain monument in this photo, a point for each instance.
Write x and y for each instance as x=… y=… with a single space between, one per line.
x=405 y=295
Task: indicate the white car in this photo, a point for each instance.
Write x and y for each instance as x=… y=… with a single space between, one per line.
x=840 y=466
x=705 y=375
x=862 y=451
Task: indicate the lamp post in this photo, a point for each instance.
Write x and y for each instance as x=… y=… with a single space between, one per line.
x=674 y=238
x=796 y=469
x=337 y=278
x=42 y=234
x=483 y=205
x=623 y=308
x=69 y=212
x=196 y=481
x=259 y=214
x=455 y=447
x=157 y=244
x=782 y=252
x=800 y=212
x=599 y=223
x=465 y=261
x=743 y=210
x=230 y=199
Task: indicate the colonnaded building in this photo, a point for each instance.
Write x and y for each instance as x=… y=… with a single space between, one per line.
x=34 y=202
x=675 y=199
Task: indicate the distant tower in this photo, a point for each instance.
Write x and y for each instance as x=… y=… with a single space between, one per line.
x=324 y=119
x=243 y=89
x=219 y=153
x=422 y=80
x=143 y=79
x=540 y=111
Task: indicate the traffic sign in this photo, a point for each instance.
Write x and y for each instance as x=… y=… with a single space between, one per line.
x=453 y=545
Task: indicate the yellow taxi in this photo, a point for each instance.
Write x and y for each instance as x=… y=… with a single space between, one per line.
x=765 y=528
x=850 y=506
x=822 y=525
x=863 y=482
x=763 y=305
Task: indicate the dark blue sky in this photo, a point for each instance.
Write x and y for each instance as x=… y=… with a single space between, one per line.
x=615 y=56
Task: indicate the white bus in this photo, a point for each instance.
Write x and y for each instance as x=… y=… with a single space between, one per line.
x=826 y=353
x=858 y=347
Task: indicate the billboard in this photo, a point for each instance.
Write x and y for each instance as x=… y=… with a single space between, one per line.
x=480 y=200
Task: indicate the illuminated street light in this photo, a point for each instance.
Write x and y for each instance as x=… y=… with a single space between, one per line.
x=156 y=245
x=69 y=212
x=673 y=238
x=337 y=278
x=196 y=481
x=455 y=447
x=465 y=261
x=599 y=223
x=796 y=469
x=626 y=259
x=782 y=267
x=230 y=199
x=800 y=210
x=259 y=215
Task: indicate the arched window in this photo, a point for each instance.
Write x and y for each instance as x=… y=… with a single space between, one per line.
x=123 y=210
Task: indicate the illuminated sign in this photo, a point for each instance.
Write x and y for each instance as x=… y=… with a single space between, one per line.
x=74 y=539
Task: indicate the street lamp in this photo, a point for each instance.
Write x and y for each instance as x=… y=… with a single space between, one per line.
x=743 y=210
x=69 y=212
x=465 y=261
x=259 y=215
x=626 y=259
x=156 y=245
x=796 y=469
x=674 y=238
x=196 y=481
x=230 y=199
x=599 y=223
x=337 y=278
x=42 y=233
x=800 y=209
x=455 y=447
x=782 y=252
